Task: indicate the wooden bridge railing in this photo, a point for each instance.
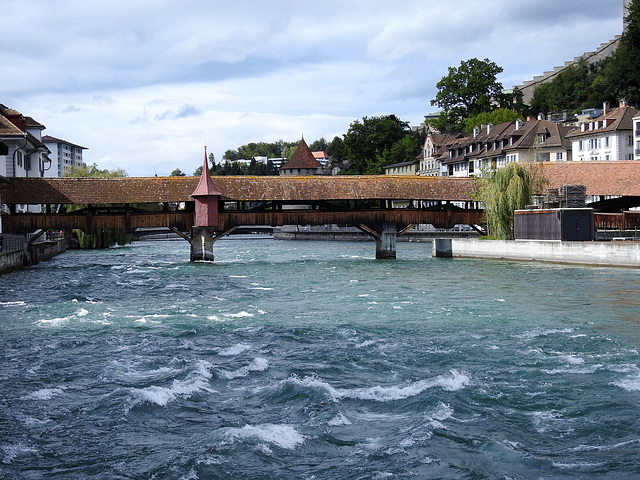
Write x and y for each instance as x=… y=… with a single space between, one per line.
x=183 y=221
x=126 y=222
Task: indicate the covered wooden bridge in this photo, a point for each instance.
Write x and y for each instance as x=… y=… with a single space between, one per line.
x=375 y=204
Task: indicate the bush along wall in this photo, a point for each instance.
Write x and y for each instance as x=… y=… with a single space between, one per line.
x=103 y=238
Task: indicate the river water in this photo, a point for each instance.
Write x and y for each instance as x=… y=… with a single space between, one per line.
x=313 y=360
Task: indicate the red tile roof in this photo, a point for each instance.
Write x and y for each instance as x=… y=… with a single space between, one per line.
x=245 y=188
x=302 y=158
x=205 y=186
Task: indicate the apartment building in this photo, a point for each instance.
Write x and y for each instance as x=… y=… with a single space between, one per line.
x=609 y=136
x=63 y=155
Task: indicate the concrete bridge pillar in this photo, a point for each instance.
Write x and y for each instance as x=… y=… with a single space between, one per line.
x=386 y=242
x=202 y=239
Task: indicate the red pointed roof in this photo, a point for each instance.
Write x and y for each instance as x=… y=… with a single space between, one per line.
x=302 y=158
x=205 y=185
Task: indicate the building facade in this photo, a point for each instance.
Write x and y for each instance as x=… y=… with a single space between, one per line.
x=22 y=153
x=608 y=137
x=493 y=147
x=63 y=155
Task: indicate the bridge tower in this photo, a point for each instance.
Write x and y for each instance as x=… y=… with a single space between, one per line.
x=206 y=197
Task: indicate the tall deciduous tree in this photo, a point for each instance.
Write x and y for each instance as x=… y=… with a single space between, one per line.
x=367 y=140
x=466 y=91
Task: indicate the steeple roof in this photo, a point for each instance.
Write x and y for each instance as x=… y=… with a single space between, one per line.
x=205 y=186
x=302 y=158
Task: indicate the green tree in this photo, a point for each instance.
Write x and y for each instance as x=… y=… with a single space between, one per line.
x=623 y=69
x=79 y=171
x=319 y=145
x=496 y=117
x=231 y=155
x=337 y=150
x=179 y=173
x=578 y=86
x=404 y=150
x=368 y=140
x=502 y=191
x=467 y=90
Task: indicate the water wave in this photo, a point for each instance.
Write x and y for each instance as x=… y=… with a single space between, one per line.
x=283 y=436
x=45 y=393
x=630 y=384
x=257 y=365
x=234 y=350
x=197 y=380
x=454 y=381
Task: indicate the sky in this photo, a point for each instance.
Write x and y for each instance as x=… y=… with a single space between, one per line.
x=144 y=85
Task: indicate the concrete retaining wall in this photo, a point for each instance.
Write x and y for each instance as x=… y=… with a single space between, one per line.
x=36 y=253
x=619 y=254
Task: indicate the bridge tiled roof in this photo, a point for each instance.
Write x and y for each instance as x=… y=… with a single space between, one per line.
x=615 y=178
x=241 y=188
x=619 y=178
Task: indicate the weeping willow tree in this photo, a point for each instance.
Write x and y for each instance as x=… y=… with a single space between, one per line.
x=503 y=191
x=104 y=238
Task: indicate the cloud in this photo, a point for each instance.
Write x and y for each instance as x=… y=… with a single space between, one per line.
x=145 y=84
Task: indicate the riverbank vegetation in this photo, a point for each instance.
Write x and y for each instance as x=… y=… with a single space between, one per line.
x=104 y=238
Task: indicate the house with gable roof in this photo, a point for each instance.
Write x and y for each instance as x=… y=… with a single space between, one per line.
x=302 y=162
x=609 y=136
x=496 y=146
x=22 y=152
x=435 y=145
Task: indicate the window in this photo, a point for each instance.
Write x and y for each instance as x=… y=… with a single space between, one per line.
x=559 y=156
x=607 y=142
x=630 y=140
x=580 y=145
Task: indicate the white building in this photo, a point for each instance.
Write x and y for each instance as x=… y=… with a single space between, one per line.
x=22 y=153
x=609 y=136
x=493 y=147
x=63 y=155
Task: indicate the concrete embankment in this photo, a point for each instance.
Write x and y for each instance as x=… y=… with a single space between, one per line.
x=14 y=259
x=616 y=254
x=351 y=234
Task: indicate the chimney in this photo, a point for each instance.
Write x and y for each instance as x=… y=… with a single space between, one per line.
x=541 y=116
x=476 y=131
x=18 y=120
x=518 y=124
x=605 y=108
x=623 y=103
x=489 y=127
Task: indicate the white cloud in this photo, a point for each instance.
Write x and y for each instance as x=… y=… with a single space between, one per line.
x=144 y=84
